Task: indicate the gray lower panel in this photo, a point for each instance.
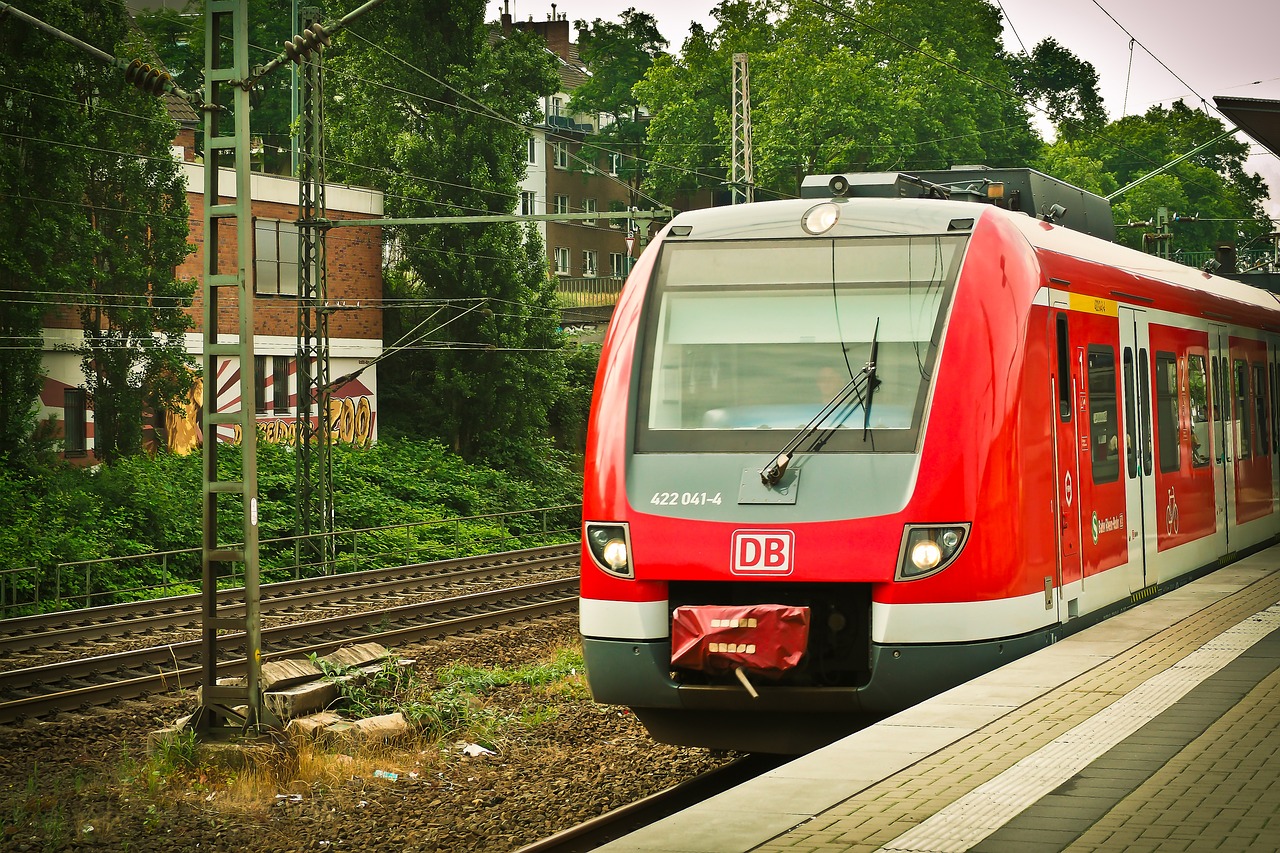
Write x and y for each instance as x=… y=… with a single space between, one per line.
x=638 y=674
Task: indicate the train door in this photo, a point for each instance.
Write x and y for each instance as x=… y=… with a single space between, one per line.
x=1222 y=429
x=1140 y=498
x=1066 y=456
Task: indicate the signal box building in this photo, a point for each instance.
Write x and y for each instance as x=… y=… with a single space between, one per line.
x=354 y=284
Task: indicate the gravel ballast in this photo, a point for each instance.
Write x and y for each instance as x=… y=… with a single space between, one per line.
x=82 y=782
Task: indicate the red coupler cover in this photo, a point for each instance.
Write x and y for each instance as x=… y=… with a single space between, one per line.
x=767 y=639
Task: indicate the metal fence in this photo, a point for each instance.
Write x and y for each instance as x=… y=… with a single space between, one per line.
x=85 y=583
x=589 y=292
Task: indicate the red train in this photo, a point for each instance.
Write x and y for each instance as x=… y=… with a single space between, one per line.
x=847 y=452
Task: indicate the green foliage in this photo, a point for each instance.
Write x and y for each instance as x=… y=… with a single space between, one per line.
x=566 y=663
x=477 y=358
x=856 y=86
x=177 y=752
x=1211 y=186
x=60 y=514
x=177 y=37
x=94 y=221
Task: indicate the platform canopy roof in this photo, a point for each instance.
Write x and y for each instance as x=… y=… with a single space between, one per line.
x=1257 y=117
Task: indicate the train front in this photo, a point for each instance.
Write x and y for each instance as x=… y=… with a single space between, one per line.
x=752 y=464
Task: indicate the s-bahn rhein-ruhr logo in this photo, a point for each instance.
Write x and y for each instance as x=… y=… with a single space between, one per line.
x=762 y=552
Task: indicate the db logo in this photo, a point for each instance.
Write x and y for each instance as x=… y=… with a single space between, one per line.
x=762 y=552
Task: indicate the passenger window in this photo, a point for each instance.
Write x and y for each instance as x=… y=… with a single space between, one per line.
x=1260 y=408
x=1167 y=412
x=1064 y=370
x=1104 y=434
x=1144 y=410
x=1275 y=418
x=1244 y=436
x=1199 y=414
x=1130 y=420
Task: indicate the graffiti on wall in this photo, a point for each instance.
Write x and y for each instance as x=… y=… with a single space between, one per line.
x=351 y=420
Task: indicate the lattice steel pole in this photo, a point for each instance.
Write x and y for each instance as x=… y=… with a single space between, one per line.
x=227 y=85
x=314 y=460
x=742 y=183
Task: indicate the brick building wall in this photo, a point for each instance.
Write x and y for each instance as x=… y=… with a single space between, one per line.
x=354 y=264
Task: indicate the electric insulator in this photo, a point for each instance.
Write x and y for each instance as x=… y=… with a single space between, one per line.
x=148 y=79
x=312 y=39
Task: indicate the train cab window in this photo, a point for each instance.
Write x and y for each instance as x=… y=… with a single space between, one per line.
x=1104 y=420
x=1167 y=412
x=1130 y=418
x=1144 y=411
x=1262 y=434
x=1064 y=370
x=746 y=342
x=1199 y=399
x=1244 y=436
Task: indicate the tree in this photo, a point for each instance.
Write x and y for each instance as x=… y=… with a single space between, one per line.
x=437 y=119
x=1212 y=187
x=838 y=86
x=96 y=218
x=177 y=37
x=1065 y=84
x=619 y=56
x=40 y=221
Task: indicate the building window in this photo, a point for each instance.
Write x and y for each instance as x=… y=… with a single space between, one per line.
x=75 y=422
x=589 y=206
x=561 y=204
x=562 y=260
x=588 y=263
x=527 y=202
x=617 y=264
x=532 y=155
x=275 y=257
x=280 y=384
x=561 y=151
x=259 y=384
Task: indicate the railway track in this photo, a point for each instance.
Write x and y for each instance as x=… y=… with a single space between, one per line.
x=29 y=640
x=87 y=680
x=618 y=822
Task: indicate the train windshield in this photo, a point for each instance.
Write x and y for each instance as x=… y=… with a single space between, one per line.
x=746 y=341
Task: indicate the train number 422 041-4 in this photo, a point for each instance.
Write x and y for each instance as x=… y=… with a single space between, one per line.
x=684 y=499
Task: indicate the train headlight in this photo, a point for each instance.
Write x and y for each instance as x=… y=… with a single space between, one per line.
x=610 y=547
x=928 y=549
x=821 y=218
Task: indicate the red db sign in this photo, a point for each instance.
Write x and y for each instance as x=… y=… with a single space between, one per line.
x=762 y=552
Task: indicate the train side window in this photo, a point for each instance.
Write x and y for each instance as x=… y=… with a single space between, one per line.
x=1064 y=370
x=1130 y=418
x=1260 y=407
x=1144 y=410
x=1275 y=410
x=1199 y=413
x=1167 y=412
x=1244 y=436
x=1104 y=434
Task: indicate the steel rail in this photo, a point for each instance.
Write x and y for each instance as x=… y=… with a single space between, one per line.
x=78 y=684
x=22 y=635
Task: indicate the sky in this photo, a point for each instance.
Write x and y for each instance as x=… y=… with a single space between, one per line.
x=1191 y=49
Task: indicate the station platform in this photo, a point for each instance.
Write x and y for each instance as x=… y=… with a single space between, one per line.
x=1156 y=730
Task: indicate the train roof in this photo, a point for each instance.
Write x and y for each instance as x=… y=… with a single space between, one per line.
x=867 y=217
x=1064 y=241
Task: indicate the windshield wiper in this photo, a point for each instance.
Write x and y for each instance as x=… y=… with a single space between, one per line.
x=872 y=382
x=864 y=379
